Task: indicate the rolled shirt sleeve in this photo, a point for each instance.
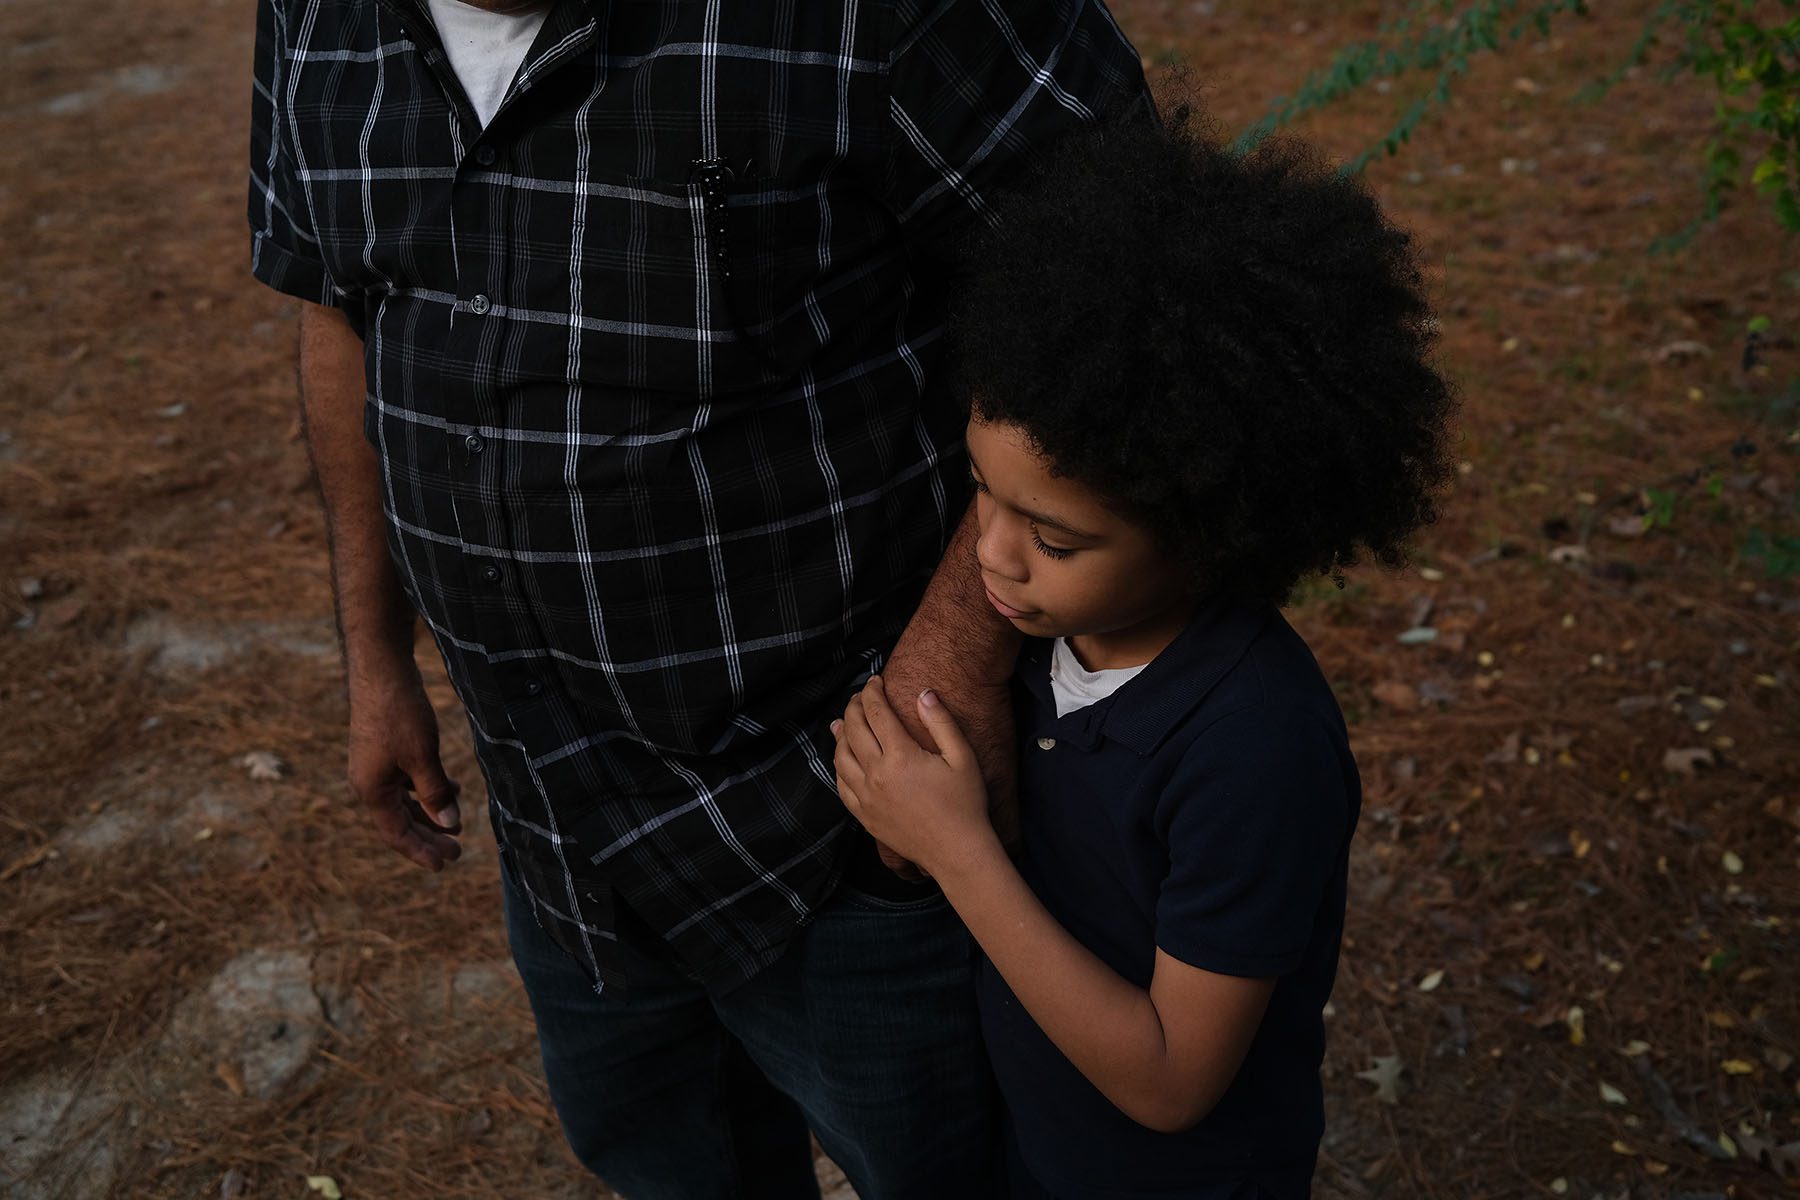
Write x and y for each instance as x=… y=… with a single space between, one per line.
x=977 y=86
x=284 y=248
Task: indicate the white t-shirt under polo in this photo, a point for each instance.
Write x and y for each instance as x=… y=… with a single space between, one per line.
x=1074 y=686
x=485 y=48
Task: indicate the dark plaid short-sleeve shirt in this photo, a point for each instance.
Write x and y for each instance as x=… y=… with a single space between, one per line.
x=650 y=367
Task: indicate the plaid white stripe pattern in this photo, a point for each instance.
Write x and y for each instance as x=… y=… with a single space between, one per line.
x=650 y=375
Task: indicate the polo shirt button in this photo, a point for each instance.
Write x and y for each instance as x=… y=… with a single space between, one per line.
x=479 y=304
x=485 y=155
x=474 y=443
x=491 y=573
x=534 y=688
x=1046 y=743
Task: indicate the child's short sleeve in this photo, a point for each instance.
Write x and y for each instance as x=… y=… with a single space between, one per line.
x=1255 y=820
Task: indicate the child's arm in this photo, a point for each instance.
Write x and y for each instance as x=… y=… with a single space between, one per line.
x=1162 y=1056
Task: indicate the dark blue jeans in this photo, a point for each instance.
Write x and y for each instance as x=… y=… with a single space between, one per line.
x=865 y=1031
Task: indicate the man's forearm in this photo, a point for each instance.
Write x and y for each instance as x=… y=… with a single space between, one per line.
x=956 y=643
x=375 y=620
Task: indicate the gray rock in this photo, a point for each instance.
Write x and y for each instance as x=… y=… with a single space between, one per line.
x=58 y=1140
x=484 y=984
x=176 y=647
x=260 y=1012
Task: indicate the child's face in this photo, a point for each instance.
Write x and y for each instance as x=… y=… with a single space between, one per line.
x=1057 y=562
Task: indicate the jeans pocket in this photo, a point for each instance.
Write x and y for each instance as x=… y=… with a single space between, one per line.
x=856 y=901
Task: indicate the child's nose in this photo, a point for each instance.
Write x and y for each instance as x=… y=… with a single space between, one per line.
x=996 y=553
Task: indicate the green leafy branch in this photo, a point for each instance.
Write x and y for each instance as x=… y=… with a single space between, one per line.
x=1748 y=49
x=1420 y=39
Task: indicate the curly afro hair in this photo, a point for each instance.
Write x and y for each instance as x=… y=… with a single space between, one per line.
x=1234 y=350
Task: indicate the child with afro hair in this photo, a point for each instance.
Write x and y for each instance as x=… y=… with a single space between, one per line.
x=1195 y=379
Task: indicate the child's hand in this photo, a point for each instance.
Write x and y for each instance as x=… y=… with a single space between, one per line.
x=929 y=808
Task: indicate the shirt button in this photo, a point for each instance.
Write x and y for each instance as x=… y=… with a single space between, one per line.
x=1046 y=743
x=491 y=573
x=479 y=304
x=474 y=443
x=485 y=155
x=534 y=688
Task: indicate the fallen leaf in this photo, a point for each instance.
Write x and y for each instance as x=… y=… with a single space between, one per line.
x=1732 y=863
x=1560 y=1186
x=1619 y=1147
x=1683 y=761
x=1634 y=1048
x=1396 y=694
x=326 y=1186
x=1577 y=1023
x=1418 y=635
x=1728 y=1146
x=1385 y=1075
x=1507 y=753
x=1721 y=1020
x=1612 y=1095
x=1652 y=1167
x=1781 y=1060
x=266 y=766
x=1570 y=556
x=1784 y=1159
x=1737 y=1066
x=1430 y=982
x=230 y=1076
x=232 y=1186
x=1437 y=693
x=1683 y=349
x=1626 y=527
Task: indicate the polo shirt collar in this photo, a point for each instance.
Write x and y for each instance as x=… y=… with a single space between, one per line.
x=1142 y=714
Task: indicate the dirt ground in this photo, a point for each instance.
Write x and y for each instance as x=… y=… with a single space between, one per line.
x=1570 y=963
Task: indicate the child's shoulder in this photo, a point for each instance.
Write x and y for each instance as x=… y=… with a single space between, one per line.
x=1269 y=727
x=1275 y=678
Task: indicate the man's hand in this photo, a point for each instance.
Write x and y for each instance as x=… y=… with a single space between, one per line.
x=929 y=808
x=396 y=772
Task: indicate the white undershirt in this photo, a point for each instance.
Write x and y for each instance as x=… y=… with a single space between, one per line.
x=1074 y=686
x=485 y=48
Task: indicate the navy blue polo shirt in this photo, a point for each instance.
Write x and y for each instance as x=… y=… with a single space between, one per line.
x=1206 y=808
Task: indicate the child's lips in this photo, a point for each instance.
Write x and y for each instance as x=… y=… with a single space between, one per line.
x=1003 y=608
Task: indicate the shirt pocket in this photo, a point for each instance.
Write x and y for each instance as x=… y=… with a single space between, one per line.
x=768 y=259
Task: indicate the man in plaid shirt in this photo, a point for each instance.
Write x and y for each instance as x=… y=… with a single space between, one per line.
x=618 y=359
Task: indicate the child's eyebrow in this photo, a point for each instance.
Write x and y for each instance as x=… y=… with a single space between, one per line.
x=1037 y=518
